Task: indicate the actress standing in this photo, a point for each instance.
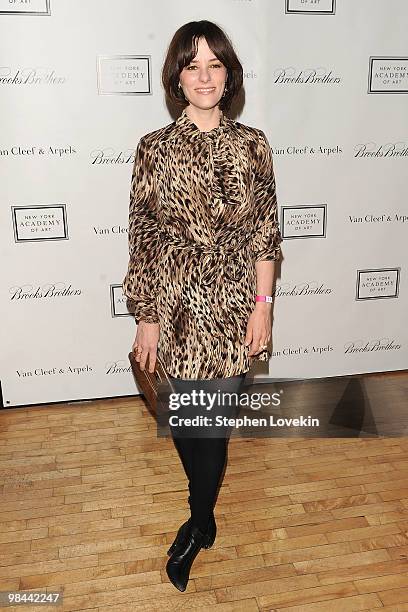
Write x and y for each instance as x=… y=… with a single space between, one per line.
x=203 y=239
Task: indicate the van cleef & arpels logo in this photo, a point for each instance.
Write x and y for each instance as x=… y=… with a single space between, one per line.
x=45 y=291
x=300 y=350
x=37 y=151
x=379 y=218
x=55 y=371
x=115 y=230
x=308 y=150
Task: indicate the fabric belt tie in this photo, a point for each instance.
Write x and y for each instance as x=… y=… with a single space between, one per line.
x=217 y=258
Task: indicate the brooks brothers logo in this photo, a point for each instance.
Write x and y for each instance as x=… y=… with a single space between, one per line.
x=303 y=221
x=124 y=74
x=118 y=367
x=44 y=291
x=319 y=7
x=388 y=74
x=376 y=284
x=291 y=75
x=30 y=75
x=370 y=346
x=373 y=149
x=305 y=288
x=37 y=223
x=118 y=302
x=109 y=156
x=25 y=7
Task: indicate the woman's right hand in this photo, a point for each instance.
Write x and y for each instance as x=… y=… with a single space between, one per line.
x=145 y=344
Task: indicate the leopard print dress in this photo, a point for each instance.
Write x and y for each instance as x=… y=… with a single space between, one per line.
x=202 y=211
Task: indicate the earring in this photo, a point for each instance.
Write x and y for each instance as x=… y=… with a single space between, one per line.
x=181 y=90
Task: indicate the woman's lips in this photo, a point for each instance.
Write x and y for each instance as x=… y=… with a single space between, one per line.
x=205 y=91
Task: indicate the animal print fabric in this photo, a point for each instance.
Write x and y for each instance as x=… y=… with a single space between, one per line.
x=202 y=211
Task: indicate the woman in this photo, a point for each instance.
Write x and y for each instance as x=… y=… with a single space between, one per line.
x=203 y=238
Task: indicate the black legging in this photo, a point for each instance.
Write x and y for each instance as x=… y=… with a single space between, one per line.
x=203 y=450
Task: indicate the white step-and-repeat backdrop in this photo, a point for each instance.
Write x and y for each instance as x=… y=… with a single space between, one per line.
x=80 y=83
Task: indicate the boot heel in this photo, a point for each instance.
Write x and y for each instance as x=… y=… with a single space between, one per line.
x=208 y=542
x=211 y=533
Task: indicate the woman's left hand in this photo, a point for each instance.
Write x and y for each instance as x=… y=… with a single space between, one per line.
x=258 y=328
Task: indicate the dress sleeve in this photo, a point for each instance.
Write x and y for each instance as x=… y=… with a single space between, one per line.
x=139 y=284
x=267 y=236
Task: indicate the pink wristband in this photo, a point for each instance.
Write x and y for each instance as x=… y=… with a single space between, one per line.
x=264 y=298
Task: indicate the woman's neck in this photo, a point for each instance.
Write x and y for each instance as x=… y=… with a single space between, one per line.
x=205 y=119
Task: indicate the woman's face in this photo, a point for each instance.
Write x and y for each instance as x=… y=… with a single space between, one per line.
x=203 y=80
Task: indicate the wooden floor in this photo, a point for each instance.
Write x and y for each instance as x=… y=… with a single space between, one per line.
x=91 y=499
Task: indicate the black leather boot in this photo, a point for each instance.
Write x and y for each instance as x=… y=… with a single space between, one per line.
x=183 y=530
x=179 y=565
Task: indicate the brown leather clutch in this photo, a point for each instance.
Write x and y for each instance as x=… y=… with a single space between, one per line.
x=155 y=386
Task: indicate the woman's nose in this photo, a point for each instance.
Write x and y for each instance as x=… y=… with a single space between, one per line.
x=204 y=75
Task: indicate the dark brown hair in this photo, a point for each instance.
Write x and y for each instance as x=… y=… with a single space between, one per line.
x=183 y=48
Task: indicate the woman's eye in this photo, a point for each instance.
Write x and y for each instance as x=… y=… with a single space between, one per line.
x=192 y=67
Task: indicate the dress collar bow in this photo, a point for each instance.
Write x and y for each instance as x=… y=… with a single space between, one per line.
x=185 y=125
